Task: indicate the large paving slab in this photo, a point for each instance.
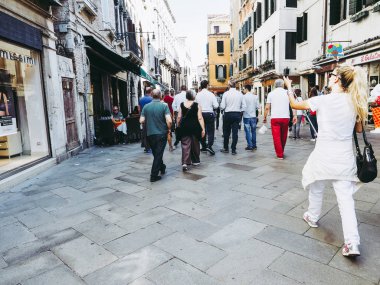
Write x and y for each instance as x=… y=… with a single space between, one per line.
x=244 y=262
x=60 y=275
x=83 y=256
x=129 y=268
x=307 y=271
x=198 y=254
x=177 y=272
x=13 y=235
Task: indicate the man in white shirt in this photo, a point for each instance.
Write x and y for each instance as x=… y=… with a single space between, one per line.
x=278 y=106
x=208 y=102
x=178 y=100
x=251 y=105
x=232 y=104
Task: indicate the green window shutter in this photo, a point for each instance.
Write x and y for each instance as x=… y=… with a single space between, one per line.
x=335 y=7
x=299 y=29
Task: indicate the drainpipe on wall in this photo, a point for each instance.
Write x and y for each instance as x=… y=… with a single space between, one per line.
x=325 y=4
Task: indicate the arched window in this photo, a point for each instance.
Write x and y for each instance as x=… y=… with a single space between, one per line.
x=220 y=72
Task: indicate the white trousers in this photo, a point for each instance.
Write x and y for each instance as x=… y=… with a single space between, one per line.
x=343 y=191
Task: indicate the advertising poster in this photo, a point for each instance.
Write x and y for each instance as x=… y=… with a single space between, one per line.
x=7 y=106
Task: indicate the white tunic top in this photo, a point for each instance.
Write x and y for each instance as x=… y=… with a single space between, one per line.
x=333 y=157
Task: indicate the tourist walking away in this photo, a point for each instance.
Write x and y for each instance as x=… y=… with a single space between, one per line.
x=208 y=103
x=157 y=119
x=251 y=105
x=297 y=125
x=142 y=102
x=278 y=105
x=232 y=105
x=168 y=99
x=217 y=111
x=178 y=100
x=192 y=130
x=313 y=117
x=333 y=160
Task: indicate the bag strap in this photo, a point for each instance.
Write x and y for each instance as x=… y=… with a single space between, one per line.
x=365 y=137
x=358 y=152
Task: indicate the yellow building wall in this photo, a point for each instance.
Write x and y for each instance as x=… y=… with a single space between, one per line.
x=218 y=59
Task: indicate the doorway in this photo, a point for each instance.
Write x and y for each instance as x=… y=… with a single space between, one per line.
x=69 y=104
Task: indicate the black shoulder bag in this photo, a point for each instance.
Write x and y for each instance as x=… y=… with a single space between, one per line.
x=366 y=161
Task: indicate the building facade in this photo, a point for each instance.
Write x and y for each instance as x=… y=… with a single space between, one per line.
x=32 y=114
x=218 y=52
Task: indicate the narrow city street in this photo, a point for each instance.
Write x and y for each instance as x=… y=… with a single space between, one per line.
x=96 y=219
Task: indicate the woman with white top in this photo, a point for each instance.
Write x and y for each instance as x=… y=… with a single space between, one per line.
x=333 y=158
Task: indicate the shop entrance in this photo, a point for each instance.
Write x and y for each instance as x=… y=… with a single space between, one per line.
x=69 y=103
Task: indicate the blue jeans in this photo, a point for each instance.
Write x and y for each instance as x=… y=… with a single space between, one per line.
x=250 y=131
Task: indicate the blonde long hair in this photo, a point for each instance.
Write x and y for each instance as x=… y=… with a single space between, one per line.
x=354 y=81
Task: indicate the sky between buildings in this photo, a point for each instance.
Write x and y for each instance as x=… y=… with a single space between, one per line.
x=191 y=17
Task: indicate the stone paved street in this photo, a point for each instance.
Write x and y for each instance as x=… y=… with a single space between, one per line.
x=96 y=219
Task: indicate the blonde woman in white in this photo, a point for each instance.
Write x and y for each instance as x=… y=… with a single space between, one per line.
x=333 y=158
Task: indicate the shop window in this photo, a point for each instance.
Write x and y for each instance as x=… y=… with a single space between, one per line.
x=291 y=3
x=220 y=47
x=338 y=10
x=290 y=45
x=23 y=128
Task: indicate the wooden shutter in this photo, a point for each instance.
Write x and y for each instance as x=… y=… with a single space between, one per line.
x=293 y=3
x=304 y=27
x=335 y=7
x=216 y=71
x=290 y=45
x=259 y=15
x=299 y=29
x=220 y=47
x=266 y=10
x=224 y=71
x=254 y=21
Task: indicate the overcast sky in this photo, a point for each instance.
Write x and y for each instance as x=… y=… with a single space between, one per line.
x=191 y=17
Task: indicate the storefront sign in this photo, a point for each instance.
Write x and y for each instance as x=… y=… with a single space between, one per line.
x=7 y=125
x=334 y=50
x=17 y=57
x=374 y=56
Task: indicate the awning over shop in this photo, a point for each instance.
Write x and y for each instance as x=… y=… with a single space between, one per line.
x=146 y=76
x=107 y=59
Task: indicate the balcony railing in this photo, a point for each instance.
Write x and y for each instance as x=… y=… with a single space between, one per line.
x=135 y=48
x=89 y=6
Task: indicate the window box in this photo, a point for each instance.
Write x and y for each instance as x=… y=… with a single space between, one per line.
x=221 y=80
x=267 y=65
x=376 y=8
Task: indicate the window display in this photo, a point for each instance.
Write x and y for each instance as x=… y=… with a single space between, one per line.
x=23 y=132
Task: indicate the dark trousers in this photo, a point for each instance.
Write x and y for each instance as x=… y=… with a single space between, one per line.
x=144 y=138
x=190 y=150
x=313 y=120
x=157 y=143
x=217 y=118
x=209 y=119
x=231 y=123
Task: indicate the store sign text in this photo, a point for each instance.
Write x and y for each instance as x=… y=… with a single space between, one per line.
x=17 y=57
x=365 y=58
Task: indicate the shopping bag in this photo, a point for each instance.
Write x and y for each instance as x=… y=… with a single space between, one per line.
x=263 y=130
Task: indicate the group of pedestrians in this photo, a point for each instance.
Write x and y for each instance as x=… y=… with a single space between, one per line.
x=332 y=160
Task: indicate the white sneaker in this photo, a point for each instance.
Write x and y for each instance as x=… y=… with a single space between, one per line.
x=312 y=140
x=307 y=219
x=350 y=250
x=195 y=163
x=184 y=167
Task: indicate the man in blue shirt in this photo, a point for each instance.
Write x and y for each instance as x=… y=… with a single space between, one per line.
x=142 y=102
x=157 y=119
x=251 y=105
